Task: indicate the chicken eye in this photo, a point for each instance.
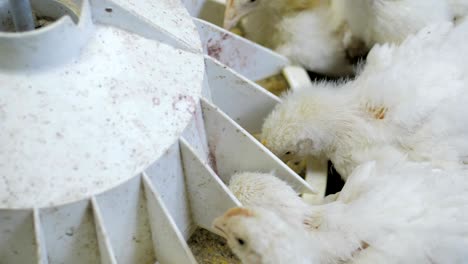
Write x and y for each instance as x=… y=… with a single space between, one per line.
x=252 y=1
x=287 y=153
x=240 y=241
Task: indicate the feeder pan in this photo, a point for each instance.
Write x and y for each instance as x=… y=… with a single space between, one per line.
x=119 y=131
x=254 y=62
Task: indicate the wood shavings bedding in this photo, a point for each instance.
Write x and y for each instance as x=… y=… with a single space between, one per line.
x=209 y=248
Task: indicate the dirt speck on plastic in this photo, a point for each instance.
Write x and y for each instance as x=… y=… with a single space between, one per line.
x=209 y=248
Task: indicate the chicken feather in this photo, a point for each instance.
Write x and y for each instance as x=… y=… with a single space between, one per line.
x=409 y=98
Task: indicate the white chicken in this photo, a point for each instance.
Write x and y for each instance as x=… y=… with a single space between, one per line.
x=266 y=190
x=297 y=29
x=410 y=213
x=259 y=236
x=408 y=99
x=321 y=34
x=388 y=21
x=257 y=189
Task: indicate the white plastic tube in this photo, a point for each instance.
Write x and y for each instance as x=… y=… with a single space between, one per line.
x=22 y=15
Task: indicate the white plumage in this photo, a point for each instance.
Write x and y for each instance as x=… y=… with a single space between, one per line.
x=408 y=99
x=308 y=40
x=389 y=21
x=410 y=213
x=258 y=236
x=266 y=190
x=321 y=35
x=297 y=29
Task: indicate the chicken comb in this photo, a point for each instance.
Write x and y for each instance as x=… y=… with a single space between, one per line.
x=239 y=211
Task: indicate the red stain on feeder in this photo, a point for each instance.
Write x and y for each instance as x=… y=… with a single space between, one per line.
x=156 y=101
x=180 y=99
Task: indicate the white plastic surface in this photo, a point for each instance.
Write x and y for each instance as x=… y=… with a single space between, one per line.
x=71 y=236
x=124 y=211
x=241 y=99
x=316 y=175
x=169 y=18
x=234 y=150
x=208 y=195
x=105 y=249
x=169 y=243
x=245 y=57
x=90 y=120
x=41 y=248
x=297 y=77
x=17 y=237
x=147 y=160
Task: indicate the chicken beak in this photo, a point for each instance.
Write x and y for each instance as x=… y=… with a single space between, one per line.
x=231 y=18
x=297 y=165
x=216 y=227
